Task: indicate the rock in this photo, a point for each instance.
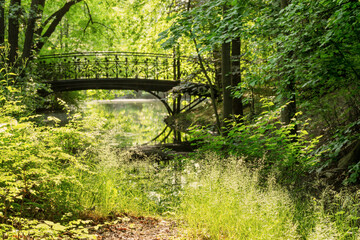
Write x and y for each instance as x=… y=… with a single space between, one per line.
x=352 y=157
x=161 y=152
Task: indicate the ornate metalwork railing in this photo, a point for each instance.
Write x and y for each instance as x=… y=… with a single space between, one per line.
x=122 y=65
x=105 y=65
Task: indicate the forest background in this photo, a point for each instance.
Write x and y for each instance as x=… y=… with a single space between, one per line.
x=288 y=74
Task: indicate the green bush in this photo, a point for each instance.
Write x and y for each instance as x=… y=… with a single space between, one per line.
x=34 y=161
x=265 y=138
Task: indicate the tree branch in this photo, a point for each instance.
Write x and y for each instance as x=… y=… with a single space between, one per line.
x=90 y=17
x=212 y=90
x=57 y=17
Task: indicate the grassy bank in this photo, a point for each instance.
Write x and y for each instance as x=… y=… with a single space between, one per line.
x=217 y=198
x=60 y=181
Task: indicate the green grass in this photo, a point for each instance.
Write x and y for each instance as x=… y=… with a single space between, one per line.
x=224 y=200
x=75 y=173
x=115 y=186
x=214 y=198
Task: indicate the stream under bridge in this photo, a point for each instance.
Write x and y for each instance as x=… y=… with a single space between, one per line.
x=173 y=75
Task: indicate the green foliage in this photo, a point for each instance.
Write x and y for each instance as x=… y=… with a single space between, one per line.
x=225 y=201
x=110 y=26
x=117 y=185
x=312 y=44
x=106 y=94
x=33 y=162
x=265 y=138
x=334 y=215
x=342 y=138
x=208 y=24
x=18 y=89
x=76 y=229
x=60 y=173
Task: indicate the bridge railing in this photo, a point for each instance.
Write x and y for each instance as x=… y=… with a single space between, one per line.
x=122 y=65
x=105 y=65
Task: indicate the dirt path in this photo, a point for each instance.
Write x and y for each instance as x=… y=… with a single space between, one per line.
x=140 y=228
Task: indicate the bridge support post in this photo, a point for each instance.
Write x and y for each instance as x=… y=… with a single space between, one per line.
x=176 y=110
x=177 y=104
x=176 y=63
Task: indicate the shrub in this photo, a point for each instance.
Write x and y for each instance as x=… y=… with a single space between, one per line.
x=264 y=138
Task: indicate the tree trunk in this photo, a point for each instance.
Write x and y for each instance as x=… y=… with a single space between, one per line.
x=2 y=22
x=13 y=31
x=217 y=65
x=237 y=106
x=226 y=80
x=226 y=77
x=288 y=91
x=35 y=13
x=284 y=3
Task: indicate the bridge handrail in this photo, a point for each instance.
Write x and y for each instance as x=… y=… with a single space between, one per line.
x=104 y=53
x=115 y=64
x=113 y=53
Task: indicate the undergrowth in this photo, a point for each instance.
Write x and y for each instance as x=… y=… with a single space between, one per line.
x=61 y=181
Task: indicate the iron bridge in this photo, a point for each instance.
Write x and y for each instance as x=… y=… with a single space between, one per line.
x=149 y=72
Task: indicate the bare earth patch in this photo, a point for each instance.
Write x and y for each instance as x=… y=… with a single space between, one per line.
x=144 y=228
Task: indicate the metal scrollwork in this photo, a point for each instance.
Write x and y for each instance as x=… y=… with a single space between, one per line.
x=121 y=65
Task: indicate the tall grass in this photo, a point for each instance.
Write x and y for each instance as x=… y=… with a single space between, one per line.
x=114 y=186
x=225 y=200
x=214 y=198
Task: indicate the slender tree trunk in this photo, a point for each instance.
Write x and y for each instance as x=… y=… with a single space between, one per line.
x=212 y=90
x=289 y=97
x=2 y=22
x=226 y=80
x=284 y=3
x=208 y=79
x=217 y=64
x=237 y=106
x=35 y=13
x=13 y=30
x=226 y=77
x=67 y=27
x=288 y=91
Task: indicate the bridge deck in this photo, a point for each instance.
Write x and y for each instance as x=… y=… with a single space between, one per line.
x=113 y=83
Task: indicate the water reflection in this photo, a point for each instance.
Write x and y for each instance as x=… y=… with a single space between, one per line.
x=131 y=121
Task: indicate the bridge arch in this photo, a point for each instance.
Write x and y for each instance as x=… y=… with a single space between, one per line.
x=153 y=93
x=121 y=71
